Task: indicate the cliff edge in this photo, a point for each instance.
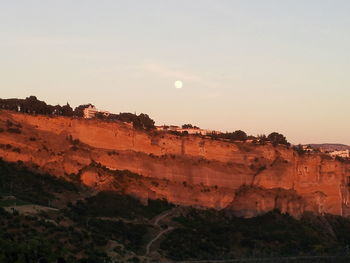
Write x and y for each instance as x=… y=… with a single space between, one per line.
x=245 y=178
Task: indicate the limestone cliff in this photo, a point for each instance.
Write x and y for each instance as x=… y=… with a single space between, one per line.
x=246 y=178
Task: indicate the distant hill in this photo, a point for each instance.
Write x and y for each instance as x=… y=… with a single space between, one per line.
x=331 y=146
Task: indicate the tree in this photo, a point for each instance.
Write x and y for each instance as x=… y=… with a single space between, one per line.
x=236 y=135
x=299 y=149
x=146 y=122
x=67 y=110
x=262 y=139
x=189 y=126
x=240 y=135
x=276 y=138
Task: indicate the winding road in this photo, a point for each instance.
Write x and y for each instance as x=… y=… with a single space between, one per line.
x=156 y=220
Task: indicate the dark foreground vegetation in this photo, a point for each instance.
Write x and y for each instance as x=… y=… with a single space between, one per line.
x=84 y=231
x=111 y=204
x=206 y=235
x=30 y=186
x=107 y=225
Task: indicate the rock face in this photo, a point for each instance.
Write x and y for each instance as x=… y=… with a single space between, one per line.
x=189 y=170
x=252 y=201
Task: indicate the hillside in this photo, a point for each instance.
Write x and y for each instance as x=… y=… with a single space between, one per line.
x=49 y=218
x=246 y=178
x=45 y=219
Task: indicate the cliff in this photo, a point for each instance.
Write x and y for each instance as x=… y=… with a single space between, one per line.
x=245 y=178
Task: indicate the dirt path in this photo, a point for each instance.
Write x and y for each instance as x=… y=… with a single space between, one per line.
x=148 y=247
x=30 y=209
x=160 y=217
x=156 y=221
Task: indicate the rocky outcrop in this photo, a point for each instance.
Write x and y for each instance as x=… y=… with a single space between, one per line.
x=190 y=170
x=251 y=201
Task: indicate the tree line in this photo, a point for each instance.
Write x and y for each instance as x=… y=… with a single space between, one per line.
x=274 y=138
x=31 y=105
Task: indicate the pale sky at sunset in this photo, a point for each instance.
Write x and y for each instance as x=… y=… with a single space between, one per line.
x=259 y=66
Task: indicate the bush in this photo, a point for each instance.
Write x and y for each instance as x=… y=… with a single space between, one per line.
x=130 y=235
x=14 y=130
x=235 y=136
x=17 y=150
x=189 y=126
x=299 y=149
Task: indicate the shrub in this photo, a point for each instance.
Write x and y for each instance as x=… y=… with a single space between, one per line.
x=17 y=150
x=14 y=130
x=235 y=136
x=299 y=149
x=189 y=126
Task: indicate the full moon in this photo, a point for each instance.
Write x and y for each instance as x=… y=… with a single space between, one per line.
x=178 y=84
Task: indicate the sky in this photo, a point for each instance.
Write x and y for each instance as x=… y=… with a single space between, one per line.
x=257 y=66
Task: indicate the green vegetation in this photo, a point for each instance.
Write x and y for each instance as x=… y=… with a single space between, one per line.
x=29 y=186
x=79 y=111
x=10 y=147
x=24 y=239
x=276 y=138
x=343 y=159
x=299 y=149
x=112 y=204
x=214 y=235
x=235 y=136
x=87 y=230
x=129 y=234
x=81 y=232
x=32 y=105
x=107 y=216
x=141 y=121
x=189 y=126
x=29 y=239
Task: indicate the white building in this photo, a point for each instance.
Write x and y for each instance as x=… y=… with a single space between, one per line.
x=188 y=130
x=343 y=154
x=90 y=112
x=308 y=148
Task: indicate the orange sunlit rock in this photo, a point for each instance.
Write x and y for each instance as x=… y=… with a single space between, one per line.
x=188 y=170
